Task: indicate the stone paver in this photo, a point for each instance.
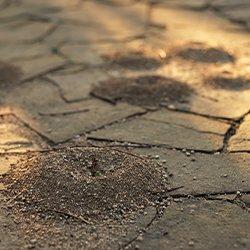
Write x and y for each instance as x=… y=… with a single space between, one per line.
x=130 y=21
x=77 y=86
x=39 y=104
x=23 y=31
x=164 y=83
x=241 y=140
x=31 y=60
x=199 y=224
x=201 y=173
x=15 y=137
x=170 y=129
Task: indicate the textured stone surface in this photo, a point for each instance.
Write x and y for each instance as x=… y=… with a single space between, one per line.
x=199 y=224
x=201 y=173
x=31 y=60
x=77 y=86
x=240 y=15
x=23 y=31
x=15 y=137
x=39 y=104
x=191 y=4
x=229 y=3
x=130 y=21
x=186 y=62
x=178 y=131
x=241 y=140
x=214 y=102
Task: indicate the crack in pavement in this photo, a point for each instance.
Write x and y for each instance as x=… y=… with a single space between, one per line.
x=232 y=131
x=183 y=126
x=65 y=113
x=150 y=145
x=27 y=126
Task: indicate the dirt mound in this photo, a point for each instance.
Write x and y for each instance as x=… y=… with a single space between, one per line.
x=135 y=60
x=206 y=55
x=144 y=91
x=91 y=183
x=9 y=74
x=228 y=83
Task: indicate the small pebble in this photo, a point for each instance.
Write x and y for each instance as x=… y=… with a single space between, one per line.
x=171 y=106
x=191 y=243
x=140 y=238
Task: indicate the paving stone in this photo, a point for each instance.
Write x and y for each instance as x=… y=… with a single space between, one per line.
x=39 y=66
x=189 y=121
x=59 y=128
x=23 y=31
x=25 y=9
x=199 y=224
x=246 y=199
x=191 y=4
x=172 y=133
x=203 y=173
x=214 y=102
x=99 y=53
x=39 y=104
x=130 y=21
x=241 y=140
x=30 y=60
x=219 y=104
x=19 y=70
x=239 y=15
x=179 y=27
x=14 y=137
x=77 y=86
x=14 y=52
x=229 y=3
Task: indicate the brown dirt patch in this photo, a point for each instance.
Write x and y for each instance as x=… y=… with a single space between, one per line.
x=228 y=83
x=136 y=60
x=90 y=183
x=144 y=91
x=9 y=74
x=206 y=55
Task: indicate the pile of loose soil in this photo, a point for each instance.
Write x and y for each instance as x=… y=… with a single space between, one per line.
x=135 y=60
x=90 y=183
x=150 y=90
x=9 y=74
x=206 y=55
x=228 y=83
